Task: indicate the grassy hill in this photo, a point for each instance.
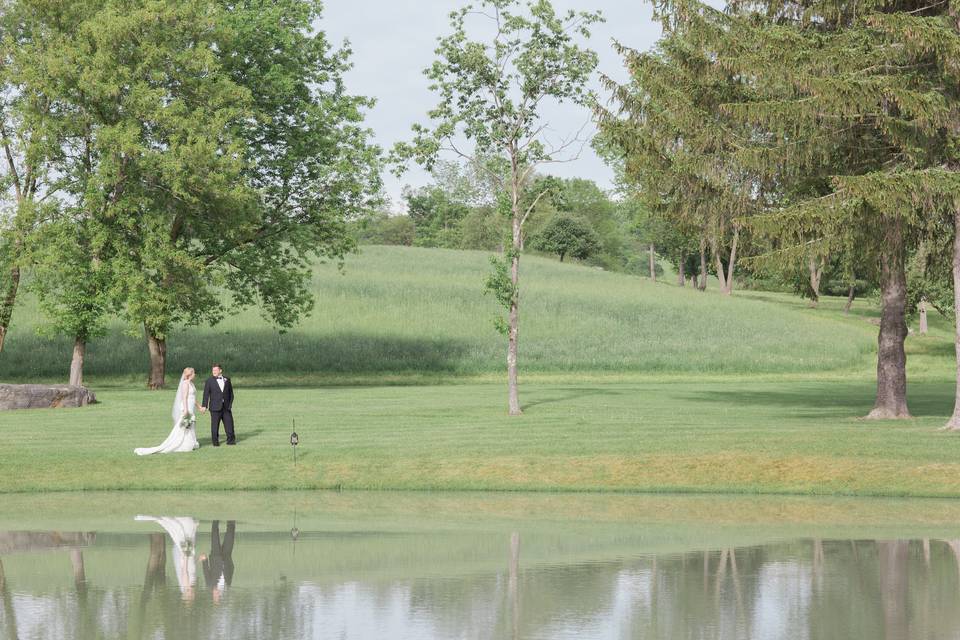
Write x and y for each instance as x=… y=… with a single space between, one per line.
x=402 y=313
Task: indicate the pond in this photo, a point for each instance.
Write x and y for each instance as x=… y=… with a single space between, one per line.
x=397 y=565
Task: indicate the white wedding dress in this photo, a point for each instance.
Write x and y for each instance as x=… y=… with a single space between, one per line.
x=180 y=439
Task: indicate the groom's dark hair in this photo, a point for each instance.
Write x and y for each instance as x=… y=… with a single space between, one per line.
x=217 y=365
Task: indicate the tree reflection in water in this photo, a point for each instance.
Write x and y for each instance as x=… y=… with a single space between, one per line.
x=358 y=584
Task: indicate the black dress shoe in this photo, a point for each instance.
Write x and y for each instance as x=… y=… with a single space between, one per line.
x=231 y=443
x=216 y=444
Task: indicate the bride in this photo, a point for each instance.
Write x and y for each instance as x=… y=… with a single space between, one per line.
x=183 y=437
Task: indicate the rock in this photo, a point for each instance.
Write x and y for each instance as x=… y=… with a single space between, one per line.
x=25 y=541
x=39 y=396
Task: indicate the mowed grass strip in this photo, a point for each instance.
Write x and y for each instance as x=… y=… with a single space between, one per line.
x=775 y=437
x=405 y=314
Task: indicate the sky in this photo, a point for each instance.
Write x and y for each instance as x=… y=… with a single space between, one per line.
x=393 y=41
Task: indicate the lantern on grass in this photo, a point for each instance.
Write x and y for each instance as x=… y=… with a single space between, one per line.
x=294 y=441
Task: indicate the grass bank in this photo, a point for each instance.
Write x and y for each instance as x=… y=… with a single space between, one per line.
x=798 y=437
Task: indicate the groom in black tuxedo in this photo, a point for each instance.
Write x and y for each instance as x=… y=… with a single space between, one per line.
x=218 y=400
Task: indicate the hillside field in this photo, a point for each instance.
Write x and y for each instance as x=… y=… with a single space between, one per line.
x=397 y=312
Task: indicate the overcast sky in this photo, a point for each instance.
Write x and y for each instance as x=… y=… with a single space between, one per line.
x=393 y=41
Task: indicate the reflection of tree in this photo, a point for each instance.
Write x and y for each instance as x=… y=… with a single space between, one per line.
x=892 y=566
x=154 y=579
x=513 y=588
x=10 y=620
x=817 y=589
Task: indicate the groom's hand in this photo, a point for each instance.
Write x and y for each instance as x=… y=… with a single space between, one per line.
x=203 y=409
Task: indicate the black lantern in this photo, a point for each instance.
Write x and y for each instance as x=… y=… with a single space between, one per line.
x=294 y=440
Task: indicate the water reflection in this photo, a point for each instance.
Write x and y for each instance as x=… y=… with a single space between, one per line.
x=355 y=582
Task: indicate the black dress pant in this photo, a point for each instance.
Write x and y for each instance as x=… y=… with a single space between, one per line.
x=226 y=416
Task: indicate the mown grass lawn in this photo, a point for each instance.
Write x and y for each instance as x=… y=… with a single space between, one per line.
x=749 y=437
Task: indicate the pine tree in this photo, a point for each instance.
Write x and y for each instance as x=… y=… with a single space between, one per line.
x=847 y=117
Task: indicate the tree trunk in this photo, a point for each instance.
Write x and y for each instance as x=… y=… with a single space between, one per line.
x=76 y=364
x=851 y=294
x=816 y=272
x=6 y=310
x=923 y=316
x=681 y=274
x=514 y=329
x=653 y=264
x=703 y=264
x=954 y=423
x=718 y=264
x=158 y=360
x=728 y=286
x=891 y=359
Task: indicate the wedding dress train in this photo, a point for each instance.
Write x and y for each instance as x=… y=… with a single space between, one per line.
x=180 y=439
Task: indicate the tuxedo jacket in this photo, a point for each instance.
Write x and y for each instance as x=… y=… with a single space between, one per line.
x=216 y=400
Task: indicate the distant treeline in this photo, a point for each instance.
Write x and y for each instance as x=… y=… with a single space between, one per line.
x=459 y=210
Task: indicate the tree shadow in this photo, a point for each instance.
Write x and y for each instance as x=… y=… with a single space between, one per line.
x=572 y=393
x=829 y=398
x=257 y=351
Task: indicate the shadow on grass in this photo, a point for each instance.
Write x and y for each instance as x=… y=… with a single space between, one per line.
x=573 y=393
x=243 y=435
x=925 y=399
x=255 y=351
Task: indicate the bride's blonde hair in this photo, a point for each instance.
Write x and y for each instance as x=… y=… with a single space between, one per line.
x=187 y=371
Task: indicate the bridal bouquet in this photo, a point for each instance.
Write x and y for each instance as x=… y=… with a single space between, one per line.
x=188 y=421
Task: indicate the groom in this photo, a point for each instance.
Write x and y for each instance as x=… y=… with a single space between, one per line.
x=218 y=399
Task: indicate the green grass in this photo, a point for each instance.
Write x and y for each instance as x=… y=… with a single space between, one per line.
x=762 y=437
x=420 y=314
x=627 y=386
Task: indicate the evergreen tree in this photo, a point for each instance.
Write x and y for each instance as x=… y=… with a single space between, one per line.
x=844 y=113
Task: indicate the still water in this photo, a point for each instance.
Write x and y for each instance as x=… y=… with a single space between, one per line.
x=374 y=565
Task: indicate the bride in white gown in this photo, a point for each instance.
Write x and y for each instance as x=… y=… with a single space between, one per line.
x=185 y=404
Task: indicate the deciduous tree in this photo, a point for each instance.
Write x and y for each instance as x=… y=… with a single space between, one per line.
x=492 y=94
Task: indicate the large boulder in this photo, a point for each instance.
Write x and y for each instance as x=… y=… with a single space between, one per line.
x=41 y=396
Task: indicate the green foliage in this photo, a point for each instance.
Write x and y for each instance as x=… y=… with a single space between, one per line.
x=482 y=228
x=206 y=145
x=567 y=235
x=71 y=278
x=930 y=273
x=501 y=286
x=383 y=228
x=491 y=90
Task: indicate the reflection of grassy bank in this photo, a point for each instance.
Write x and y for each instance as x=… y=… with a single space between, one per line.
x=390 y=535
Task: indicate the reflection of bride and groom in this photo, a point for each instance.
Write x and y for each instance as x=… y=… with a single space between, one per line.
x=217 y=565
